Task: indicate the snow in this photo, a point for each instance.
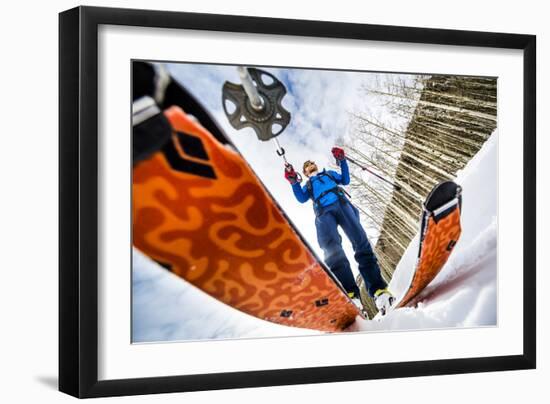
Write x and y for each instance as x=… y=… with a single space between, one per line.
x=166 y=308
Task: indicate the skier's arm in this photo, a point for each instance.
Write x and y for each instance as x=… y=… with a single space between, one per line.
x=300 y=193
x=341 y=178
x=345 y=172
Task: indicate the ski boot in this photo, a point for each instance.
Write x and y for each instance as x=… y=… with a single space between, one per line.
x=383 y=300
x=356 y=299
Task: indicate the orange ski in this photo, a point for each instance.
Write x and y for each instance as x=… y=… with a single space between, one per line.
x=201 y=212
x=439 y=233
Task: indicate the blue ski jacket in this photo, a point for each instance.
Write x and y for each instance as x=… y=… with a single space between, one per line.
x=321 y=183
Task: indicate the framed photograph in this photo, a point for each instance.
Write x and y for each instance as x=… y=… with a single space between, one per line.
x=251 y=201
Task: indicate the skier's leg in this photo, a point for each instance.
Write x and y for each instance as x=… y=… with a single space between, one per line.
x=331 y=243
x=348 y=219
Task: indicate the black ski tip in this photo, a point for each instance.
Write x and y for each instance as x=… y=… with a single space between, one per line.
x=441 y=194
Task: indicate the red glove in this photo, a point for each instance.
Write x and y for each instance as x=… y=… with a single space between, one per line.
x=338 y=153
x=291 y=175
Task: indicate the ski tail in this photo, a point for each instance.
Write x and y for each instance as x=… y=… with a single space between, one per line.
x=440 y=230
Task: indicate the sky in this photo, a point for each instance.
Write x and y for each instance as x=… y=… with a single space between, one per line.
x=319 y=102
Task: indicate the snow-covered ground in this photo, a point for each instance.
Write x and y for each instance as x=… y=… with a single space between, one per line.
x=166 y=308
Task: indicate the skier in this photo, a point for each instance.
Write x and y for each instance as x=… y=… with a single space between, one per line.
x=332 y=209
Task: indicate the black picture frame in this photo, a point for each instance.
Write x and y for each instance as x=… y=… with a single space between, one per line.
x=78 y=200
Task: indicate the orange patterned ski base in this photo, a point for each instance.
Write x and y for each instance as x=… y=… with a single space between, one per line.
x=201 y=212
x=440 y=231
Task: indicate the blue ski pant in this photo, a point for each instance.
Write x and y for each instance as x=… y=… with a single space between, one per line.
x=342 y=213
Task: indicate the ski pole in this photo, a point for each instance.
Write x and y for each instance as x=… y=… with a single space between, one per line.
x=288 y=167
x=396 y=186
x=280 y=151
x=256 y=101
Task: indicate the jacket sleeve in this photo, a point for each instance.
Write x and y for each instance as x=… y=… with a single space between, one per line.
x=300 y=193
x=342 y=178
x=345 y=172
